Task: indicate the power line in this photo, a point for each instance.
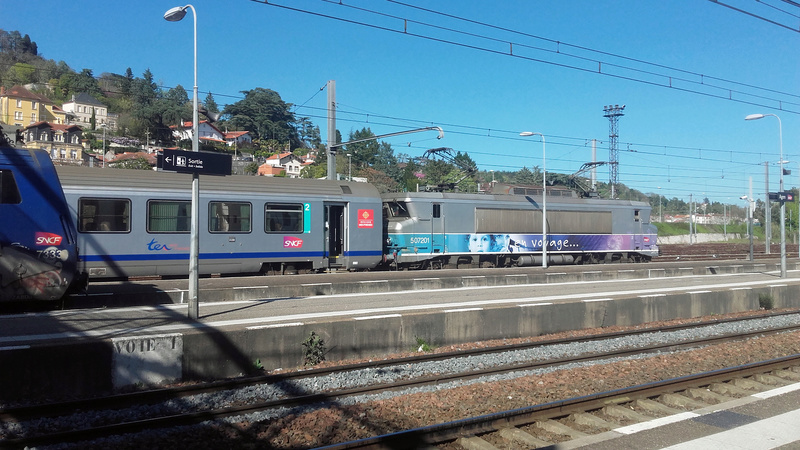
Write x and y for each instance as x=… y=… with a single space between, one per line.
x=664 y=80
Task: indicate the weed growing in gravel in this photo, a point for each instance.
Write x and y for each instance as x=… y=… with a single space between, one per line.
x=765 y=301
x=314 y=352
x=257 y=364
x=422 y=345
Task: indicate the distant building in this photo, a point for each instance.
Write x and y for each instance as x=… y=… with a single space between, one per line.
x=289 y=162
x=206 y=132
x=64 y=143
x=21 y=107
x=82 y=107
x=236 y=138
x=267 y=170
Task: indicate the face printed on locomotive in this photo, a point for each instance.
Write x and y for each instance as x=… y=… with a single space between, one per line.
x=477 y=243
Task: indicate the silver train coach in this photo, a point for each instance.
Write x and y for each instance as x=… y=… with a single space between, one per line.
x=435 y=229
x=133 y=223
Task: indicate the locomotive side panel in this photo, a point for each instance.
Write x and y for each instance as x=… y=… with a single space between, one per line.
x=510 y=227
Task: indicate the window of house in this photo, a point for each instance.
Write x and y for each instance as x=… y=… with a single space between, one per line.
x=33 y=105
x=17 y=115
x=168 y=216
x=283 y=218
x=104 y=215
x=229 y=217
x=19 y=103
x=74 y=154
x=33 y=117
x=43 y=136
x=9 y=192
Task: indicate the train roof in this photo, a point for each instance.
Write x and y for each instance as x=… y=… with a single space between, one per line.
x=144 y=180
x=556 y=196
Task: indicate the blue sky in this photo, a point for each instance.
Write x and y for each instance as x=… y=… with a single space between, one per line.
x=673 y=64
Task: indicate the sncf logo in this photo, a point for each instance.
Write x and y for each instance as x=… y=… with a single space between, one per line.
x=292 y=242
x=647 y=238
x=43 y=238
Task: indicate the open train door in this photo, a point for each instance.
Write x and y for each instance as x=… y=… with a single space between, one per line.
x=334 y=233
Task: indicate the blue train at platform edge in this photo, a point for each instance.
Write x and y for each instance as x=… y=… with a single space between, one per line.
x=62 y=226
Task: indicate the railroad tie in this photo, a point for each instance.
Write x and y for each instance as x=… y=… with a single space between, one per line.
x=520 y=436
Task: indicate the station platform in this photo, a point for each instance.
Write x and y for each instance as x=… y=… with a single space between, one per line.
x=763 y=421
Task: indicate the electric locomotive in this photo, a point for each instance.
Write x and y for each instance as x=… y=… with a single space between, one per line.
x=437 y=229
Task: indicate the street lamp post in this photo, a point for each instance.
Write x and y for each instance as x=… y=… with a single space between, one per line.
x=544 y=196
x=173 y=15
x=349 y=167
x=783 y=204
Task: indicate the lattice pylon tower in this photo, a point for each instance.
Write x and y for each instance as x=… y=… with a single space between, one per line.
x=613 y=112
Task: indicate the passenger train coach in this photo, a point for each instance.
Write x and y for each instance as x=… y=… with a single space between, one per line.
x=134 y=223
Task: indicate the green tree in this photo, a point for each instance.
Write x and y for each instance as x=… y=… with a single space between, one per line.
x=363 y=153
x=210 y=104
x=265 y=116
x=525 y=176
x=21 y=73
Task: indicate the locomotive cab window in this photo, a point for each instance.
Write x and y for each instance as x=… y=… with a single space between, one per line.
x=396 y=209
x=104 y=215
x=168 y=216
x=9 y=192
x=283 y=218
x=229 y=217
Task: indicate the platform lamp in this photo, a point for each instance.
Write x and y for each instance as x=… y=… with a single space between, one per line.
x=783 y=203
x=544 y=197
x=173 y=15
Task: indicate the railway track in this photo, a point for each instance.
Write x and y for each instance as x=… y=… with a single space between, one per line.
x=721 y=251
x=55 y=422
x=579 y=418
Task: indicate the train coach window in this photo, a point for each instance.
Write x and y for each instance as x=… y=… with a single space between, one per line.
x=229 y=217
x=168 y=216
x=283 y=218
x=98 y=215
x=9 y=192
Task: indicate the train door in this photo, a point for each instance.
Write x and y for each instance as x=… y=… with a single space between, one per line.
x=334 y=233
x=638 y=242
x=437 y=229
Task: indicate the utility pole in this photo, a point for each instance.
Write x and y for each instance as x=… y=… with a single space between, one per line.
x=331 y=147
